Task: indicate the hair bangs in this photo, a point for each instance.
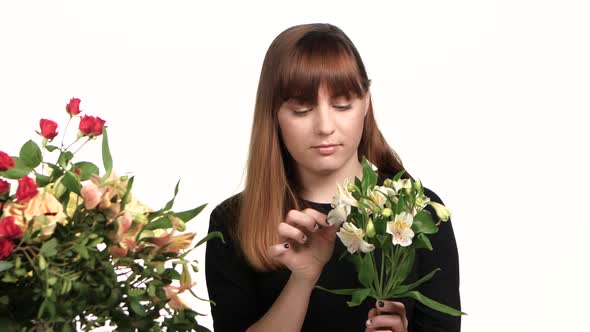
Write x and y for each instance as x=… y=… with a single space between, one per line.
x=315 y=61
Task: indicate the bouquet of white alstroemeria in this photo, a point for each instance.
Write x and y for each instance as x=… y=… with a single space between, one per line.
x=390 y=218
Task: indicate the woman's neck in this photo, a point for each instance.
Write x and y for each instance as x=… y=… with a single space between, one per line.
x=321 y=187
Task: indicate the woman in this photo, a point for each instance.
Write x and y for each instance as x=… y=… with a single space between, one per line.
x=313 y=122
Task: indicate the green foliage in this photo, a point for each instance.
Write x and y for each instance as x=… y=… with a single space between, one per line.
x=77 y=265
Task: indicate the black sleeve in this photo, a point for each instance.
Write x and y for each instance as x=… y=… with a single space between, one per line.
x=444 y=286
x=230 y=282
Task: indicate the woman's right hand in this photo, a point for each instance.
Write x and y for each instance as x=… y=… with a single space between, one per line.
x=307 y=244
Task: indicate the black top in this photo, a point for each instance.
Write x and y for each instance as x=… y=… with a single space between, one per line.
x=243 y=296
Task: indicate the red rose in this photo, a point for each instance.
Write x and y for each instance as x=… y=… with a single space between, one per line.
x=73 y=107
x=27 y=189
x=9 y=229
x=91 y=125
x=4 y=187
x=48 y=128
x=5 y=247
x=6 y=162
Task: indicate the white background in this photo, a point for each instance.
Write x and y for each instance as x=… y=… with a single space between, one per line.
x=485 y=101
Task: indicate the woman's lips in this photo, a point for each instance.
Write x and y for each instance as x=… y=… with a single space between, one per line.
x=326 y=149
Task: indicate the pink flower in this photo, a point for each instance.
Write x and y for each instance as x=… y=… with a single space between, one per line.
x=9 y=230
x=90 y=125
x=6 y=247
x=174 y=301
x=6 y=162
x=48 y=128
x=123 y=223
x=73 y=107
x=91 y=194
x=4 y=187
x=27 y=189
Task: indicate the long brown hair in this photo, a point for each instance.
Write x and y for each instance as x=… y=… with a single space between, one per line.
x=296 y=63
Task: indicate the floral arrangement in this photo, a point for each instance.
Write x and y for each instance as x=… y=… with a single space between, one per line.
x=78 y=250
x=392 y=220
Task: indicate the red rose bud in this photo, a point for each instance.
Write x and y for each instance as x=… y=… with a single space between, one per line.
x=4 y=187
x=6 y=162
x=9 y=229
x=48 y=128
x=91 y=125
x=6 y=247
x=27 y=189
x=73 y=107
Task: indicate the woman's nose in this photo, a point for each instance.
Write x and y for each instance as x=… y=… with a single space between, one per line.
x=324 y=123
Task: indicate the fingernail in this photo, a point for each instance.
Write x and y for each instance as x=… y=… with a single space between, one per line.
x=286 y=246
x=381 y=304
x=316 y=226
x=304 y=238
x=369 y=322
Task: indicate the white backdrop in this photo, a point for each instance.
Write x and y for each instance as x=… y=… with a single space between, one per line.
x=485 y=101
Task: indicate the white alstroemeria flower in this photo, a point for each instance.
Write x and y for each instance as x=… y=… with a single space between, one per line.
x=338 y=215
x=344 y=196
x=400 y=229
x=352 y=238
x=422 y=201
x=402 y=184
x=378 y=197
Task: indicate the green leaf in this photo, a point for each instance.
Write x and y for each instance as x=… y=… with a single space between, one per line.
x=405 y=288
x=382 y=239
x=369 y=176
x=398 y=175
x=64 y=159
x=163 y=222
x=107 y=159
x=136 y=292
x=127 y=193
x=405 y=266
x=366 y=272
x=87 y=169
x=432 y=303
x=211 y=236
x=42 y=180
x=4 y=265
x=19 y=170
x=423 y=223
x=422 y=241
x=42 y=262
x=137 y=307
x=358 y=297
x=51 y=148
x=82 y=250
x=348 y=291
x=171 y=202
x=188 y=215
x=71 y=182
x=30 y=153
x=48 y=249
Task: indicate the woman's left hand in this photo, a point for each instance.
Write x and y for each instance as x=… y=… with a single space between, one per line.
x=392 y=317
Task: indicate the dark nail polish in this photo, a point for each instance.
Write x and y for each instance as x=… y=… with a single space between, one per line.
x=381 y=304
x=286 y=245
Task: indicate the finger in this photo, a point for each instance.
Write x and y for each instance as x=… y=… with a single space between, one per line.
x=391 y=307
x=277 y=250
x=392 y=322
x=292 y=232
x=317 y=216
x=301 y=220
x=372 y=313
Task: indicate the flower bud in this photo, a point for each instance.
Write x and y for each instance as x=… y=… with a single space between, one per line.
x=370 y=229
x=351 y=187
x=177 y=223
x=387 y=212
x=441 y=211
x=185 y=277
x=388 y=183
x=417 y=185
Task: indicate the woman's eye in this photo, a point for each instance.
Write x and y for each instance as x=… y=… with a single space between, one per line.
x=343 y=107
x=301 y=112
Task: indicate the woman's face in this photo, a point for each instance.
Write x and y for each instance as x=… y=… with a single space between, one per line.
x=325 y=137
